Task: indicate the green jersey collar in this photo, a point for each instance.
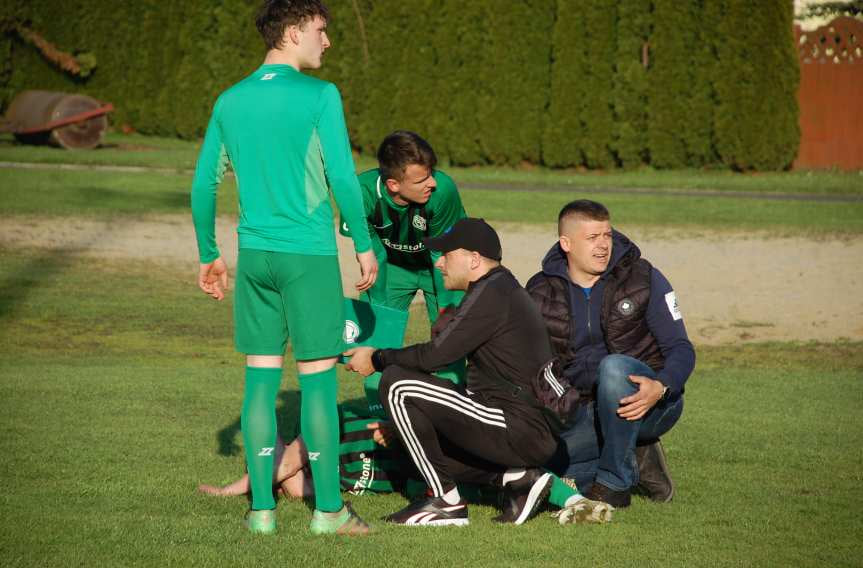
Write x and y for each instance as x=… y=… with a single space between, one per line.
x=385 y=195
x=272 y=67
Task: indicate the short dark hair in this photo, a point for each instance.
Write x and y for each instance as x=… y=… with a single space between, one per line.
x=276 y=15
x=584 y=209
x=401 y=149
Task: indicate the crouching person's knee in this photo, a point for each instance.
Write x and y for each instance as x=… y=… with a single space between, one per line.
x=613 y=381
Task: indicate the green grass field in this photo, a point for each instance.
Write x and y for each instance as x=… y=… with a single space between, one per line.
x=108 y=193
x=121 y=391
x=172 y=154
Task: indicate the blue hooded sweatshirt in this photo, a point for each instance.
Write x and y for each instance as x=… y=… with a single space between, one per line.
x=664 y=320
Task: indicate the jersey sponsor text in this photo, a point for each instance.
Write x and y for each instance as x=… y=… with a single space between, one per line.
x=403 y=247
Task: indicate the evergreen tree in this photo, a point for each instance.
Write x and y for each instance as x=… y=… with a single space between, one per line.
x=756 y=83
x=630 y=83
x=556 y=81
x=599 y=83
x=348 y=60
x=416 y=85
x=564 y=134
x=516 y=71
x=460 y=44
x=698 y=130
x=670 y=83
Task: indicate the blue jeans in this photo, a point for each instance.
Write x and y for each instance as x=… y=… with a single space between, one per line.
x=601 y=445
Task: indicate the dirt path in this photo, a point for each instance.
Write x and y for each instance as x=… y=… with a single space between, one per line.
x=731 y=287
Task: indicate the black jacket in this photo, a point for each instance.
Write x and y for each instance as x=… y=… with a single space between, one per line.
x=500 y=331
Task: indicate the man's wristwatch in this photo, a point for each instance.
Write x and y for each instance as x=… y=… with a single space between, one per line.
x=664 y=395
x=376 y=361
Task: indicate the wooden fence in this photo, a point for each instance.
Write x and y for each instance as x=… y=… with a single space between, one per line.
x=831 y=95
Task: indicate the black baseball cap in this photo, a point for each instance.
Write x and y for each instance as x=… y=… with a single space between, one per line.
x=470 y=234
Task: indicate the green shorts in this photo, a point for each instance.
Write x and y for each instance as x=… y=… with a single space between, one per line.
x=280 y=295
x=396 y=287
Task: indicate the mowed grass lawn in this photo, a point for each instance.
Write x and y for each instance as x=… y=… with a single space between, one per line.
x=108 y=193
x=180 y=155
x=121 y=392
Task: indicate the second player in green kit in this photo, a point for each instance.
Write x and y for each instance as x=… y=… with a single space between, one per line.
x=405 y=200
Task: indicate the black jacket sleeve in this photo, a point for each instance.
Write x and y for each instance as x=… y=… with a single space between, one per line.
x=476 y=320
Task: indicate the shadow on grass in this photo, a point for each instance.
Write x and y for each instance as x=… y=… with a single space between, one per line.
x=287 y=419
x=40 y=271
x=120 y=199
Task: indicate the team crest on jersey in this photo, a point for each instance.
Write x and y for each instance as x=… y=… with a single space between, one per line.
x=419 y=222
x=625 y=307
x=352 y=331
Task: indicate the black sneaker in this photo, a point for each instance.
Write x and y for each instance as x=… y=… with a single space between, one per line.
x=522 y=498
x=617 y=499
x=654 y=479
x=431 y=511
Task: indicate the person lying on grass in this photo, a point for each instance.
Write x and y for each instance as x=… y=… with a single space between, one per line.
x=371 y=460
x=367 y=460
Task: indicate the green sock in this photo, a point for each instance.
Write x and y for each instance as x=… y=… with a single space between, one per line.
x=258 y=421
x=319 y=422
x=370 y=384
x=561 y=493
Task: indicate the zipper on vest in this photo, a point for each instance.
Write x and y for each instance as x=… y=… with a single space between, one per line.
x=590 y=340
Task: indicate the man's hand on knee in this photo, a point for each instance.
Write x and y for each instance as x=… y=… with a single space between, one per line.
x=635 y=406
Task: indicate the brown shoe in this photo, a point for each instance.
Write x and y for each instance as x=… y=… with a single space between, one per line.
x=654 y=479
x=617 y=499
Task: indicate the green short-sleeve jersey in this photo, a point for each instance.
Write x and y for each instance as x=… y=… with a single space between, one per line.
x=284 y=134
x=401 y=228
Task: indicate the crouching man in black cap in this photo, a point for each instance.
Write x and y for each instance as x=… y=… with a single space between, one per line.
x=485 y=434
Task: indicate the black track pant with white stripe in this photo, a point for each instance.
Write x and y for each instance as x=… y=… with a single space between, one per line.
x=453 y=437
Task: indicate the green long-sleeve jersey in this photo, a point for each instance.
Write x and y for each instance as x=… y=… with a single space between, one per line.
x=284 y=135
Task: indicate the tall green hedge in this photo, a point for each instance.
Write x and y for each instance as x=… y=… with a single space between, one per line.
x=564 y=134
x=555 y=82
x=629 y=96
x=756 y=79
x=600 y=20
x=671 y=78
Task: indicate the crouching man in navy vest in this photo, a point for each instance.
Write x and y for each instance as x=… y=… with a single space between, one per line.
x=614 y=321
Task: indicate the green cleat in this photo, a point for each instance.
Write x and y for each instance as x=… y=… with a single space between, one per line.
x=585 y=511
x=261 y=522
x=344 y=522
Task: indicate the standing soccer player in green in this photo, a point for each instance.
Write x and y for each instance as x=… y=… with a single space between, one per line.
x=405 y=200
x=284 y=134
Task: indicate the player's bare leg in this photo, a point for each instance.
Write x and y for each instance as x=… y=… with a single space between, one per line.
x=290 y=460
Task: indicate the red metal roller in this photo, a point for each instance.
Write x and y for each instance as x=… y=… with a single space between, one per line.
x=60 y=119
